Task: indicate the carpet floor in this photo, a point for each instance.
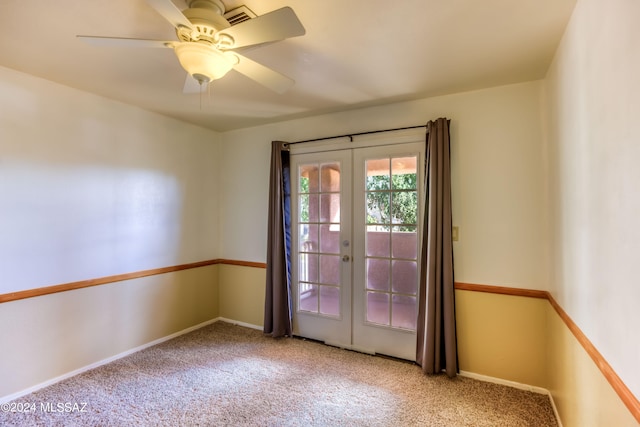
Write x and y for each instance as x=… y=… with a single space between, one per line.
x=228 y=375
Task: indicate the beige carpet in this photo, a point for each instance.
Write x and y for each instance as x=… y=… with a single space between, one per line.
x=226 y=375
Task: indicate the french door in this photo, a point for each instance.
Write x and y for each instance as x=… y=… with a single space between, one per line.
x=355 y=228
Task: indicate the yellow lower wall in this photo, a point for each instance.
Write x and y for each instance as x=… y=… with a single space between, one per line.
x=581 y=393
x=513 y=338
x=242 y=293
x=502 y=336
x=52 y=335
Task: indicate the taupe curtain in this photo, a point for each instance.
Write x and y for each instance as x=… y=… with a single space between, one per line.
x=436 y=347
x=277 y=310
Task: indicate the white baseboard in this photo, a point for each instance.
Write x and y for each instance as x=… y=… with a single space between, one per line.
x=517 y=385
x=555 y=409
x=5 y=399
x=500 y=381
x=235 y=322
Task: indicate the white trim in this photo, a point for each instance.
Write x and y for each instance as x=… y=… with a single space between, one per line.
x=520 y=386
x=5 y=399
x=235 y=322
x=555 y=409
x=500 y=381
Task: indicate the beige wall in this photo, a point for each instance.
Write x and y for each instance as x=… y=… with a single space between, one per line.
x=91 y=188
x=593 y=106
x=498 y=178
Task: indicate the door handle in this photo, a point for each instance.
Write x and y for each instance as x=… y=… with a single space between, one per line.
x=346 y=258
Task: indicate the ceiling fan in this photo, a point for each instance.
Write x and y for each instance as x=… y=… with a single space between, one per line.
x=207 y=43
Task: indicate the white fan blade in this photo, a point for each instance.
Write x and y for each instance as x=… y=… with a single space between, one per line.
x=263 y=75
x=124 y=42
x=191 y=85
x=171 y=13
x=277 y=25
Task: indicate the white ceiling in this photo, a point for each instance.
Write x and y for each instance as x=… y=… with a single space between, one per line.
x=355 y=53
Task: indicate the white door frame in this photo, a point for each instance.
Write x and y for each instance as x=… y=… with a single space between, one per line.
x=340 y=332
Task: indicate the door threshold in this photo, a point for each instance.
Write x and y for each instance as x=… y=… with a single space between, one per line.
x=351 y=347
x=356 y=349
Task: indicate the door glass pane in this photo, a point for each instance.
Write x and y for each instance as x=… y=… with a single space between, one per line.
x=377 y=242
x=308 y=179
x=378 y=175
x=330 y=178
x=378 y=205
x=330 y=238
x=308 y=267
x=404 y=277
x=314 y=208
x=404 y=243
x=330 y=300
x=308 y=297
x=378 y=308
x=303 y=208
x=308 y=238
x=308 y=208
x=378 y=274
x=330 y=269
x=330 y=207
x=404 y=312
x=404 y=207
x=404 y=173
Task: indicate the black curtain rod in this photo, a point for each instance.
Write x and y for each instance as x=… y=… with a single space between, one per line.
x=351 y=135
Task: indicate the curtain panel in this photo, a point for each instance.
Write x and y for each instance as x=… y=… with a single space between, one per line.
x=436 y=348
x=277 y=310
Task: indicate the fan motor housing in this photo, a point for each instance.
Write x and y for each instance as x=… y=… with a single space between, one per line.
x=207 y=21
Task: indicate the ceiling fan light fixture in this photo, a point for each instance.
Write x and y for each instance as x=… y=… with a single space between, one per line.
x=203 y=62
